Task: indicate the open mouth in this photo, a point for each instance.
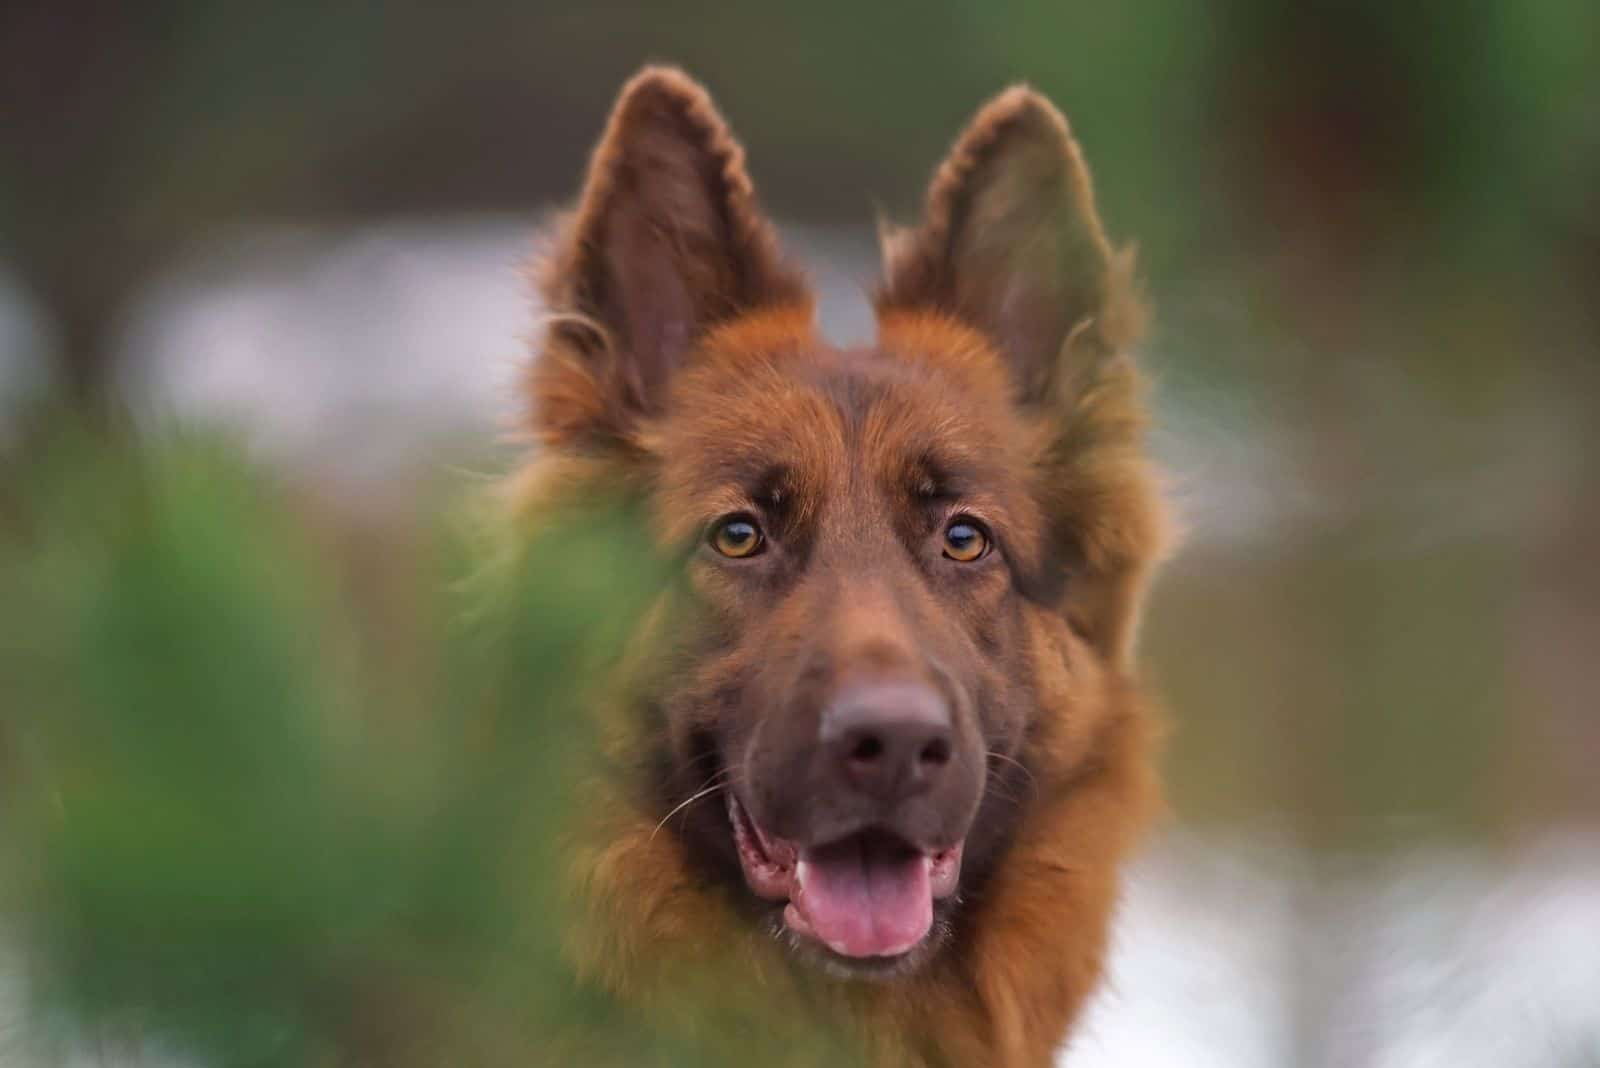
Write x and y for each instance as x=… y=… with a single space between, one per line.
x=867 y=895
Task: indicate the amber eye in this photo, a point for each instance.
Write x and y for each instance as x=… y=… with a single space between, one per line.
x=965 y=541
x=737 y=536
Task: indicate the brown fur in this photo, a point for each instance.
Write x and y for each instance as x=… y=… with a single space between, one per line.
x=680 y=341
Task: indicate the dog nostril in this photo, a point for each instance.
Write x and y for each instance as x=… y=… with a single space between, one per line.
x=936 y=754
x=867 y=749
x=888 y=740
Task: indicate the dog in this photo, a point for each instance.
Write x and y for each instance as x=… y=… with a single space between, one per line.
x=884 y=780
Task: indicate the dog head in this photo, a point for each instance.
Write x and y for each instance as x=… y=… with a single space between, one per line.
x=917 y=563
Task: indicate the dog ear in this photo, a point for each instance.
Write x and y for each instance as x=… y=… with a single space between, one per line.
x=667 y=242
x=1011 y=244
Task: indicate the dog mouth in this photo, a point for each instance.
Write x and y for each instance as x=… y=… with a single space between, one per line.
x=867 y=896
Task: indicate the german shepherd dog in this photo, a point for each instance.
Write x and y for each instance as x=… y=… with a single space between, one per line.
x=901 y=748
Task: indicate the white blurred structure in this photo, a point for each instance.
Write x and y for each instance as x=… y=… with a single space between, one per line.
x=1249 y=953
x=354 y=357
x=24 y=349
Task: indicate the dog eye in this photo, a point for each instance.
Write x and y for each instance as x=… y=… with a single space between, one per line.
x=965 y=541
x=737 y=537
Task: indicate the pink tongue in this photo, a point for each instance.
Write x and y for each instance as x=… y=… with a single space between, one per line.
x=863 y=902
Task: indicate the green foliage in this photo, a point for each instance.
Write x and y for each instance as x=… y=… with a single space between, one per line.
x=211 y=842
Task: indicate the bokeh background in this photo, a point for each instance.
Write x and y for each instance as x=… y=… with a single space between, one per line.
x=1371 y=234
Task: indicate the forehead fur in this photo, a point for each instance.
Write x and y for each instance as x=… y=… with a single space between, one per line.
x=766 y=408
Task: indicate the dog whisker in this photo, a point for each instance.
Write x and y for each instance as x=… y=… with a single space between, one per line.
x=712 y=786
x=1033 y=784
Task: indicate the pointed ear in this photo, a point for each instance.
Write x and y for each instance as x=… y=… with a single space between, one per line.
x=1011 y=244
x=666 y=243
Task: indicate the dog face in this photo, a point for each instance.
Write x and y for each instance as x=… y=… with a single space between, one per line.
x=916 y=564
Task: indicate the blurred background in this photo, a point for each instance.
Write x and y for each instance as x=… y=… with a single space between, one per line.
x=1371 y=235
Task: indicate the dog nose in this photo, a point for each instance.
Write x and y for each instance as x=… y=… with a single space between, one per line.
x=889 y=739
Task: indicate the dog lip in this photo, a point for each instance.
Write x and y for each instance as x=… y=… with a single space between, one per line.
x=769 y=863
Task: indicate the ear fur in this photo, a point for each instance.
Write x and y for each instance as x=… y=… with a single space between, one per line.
x=666 y=243
x=1011 y=244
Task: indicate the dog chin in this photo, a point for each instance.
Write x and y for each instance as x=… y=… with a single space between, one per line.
x=813 y=953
